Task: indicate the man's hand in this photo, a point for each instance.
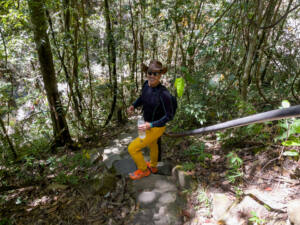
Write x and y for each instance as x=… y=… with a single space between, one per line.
x=145 y=126
x=130 y=110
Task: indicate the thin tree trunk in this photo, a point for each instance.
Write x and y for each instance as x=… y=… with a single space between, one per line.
x=191 y=48
x=142 y=54
x=183 y=60
x=261 y=46
x=10 y=143
x=251 y=51
x=65 y=69
x=154 y=45
x=91 y=125
x=170 y=50
x=135 y=47
x=75 y=57
x=59 y=123
x=111 y=58
x=142 y=17
x=278 y=33
x=4 y=45
x=121 y=88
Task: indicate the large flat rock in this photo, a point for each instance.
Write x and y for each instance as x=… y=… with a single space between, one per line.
x=158 y=200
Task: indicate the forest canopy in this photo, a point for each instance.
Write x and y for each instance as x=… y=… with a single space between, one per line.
x=70 y=68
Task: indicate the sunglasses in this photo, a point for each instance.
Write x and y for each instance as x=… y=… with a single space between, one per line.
x=153 y=73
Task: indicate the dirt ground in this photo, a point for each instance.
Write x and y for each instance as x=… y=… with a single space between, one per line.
x=50 y=201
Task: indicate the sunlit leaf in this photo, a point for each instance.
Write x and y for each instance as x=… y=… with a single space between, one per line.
x=179 y=85
x=18 y=201
x=87 y=155
x=291 y=143
x=291 y=153
x=285 y=104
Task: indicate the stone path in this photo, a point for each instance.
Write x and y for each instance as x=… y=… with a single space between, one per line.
x=159 y=200
x=157 y=196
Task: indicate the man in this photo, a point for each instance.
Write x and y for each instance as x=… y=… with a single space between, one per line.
x=156 y=102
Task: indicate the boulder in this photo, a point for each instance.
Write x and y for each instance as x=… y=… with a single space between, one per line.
x=221 y=204
x=293 y=210
x=102 y=184
x=159 y=203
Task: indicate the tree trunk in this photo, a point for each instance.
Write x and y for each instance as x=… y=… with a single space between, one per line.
x=38 y=18
x=183 y=60
x=4 y=45
x=12 y=148
x=78 y=98
x=251 y=51
x=142 y=18
x=111 y=59
x=277 y=34
x=65 y=68
x=261 y=46
x=135 y=47
x=75 y=55
x=170 y=50
x=91 y=125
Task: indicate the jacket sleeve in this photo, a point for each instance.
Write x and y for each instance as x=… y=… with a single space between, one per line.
x=137 y=102
x=166 y=102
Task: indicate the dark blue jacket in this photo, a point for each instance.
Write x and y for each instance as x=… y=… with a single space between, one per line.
x=156 y=103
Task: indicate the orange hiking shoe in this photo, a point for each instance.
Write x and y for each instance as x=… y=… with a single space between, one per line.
x=152 y=169
x=138 y=174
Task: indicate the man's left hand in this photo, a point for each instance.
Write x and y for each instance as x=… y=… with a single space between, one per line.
x=145 y=126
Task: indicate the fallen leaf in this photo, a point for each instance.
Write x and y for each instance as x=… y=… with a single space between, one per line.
x=52 y=209
x=268 y=189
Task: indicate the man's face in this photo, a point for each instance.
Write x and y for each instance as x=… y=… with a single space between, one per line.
x=153 y=78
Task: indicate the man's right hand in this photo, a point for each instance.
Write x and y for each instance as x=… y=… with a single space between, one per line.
x=130 y=110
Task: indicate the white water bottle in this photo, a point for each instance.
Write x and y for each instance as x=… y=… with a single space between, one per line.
x=142 y=133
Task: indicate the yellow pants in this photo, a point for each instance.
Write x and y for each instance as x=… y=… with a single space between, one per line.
x=135 y=147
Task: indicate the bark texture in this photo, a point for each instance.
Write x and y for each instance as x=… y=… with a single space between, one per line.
x=39 y=26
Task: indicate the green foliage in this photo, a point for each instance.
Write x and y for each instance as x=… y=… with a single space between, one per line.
x=234 y=164
x=289 y=135
x=5 y=96
x=13 y=15
x=188 y=166
x=293 y=141
x=237 y=137
x=71 y=162
x=288 y=129
x=81 y=160
x=196 y=152
x=203 y=198
x=195 y=112
x=63 y=178
x=255 y=219
x=239 y=192
x=289 y=132
x=33 y=149
x=188 y=116
x=6 y=221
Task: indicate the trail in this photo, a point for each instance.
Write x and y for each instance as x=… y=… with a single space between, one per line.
x=158 y=197
x=162 y=199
